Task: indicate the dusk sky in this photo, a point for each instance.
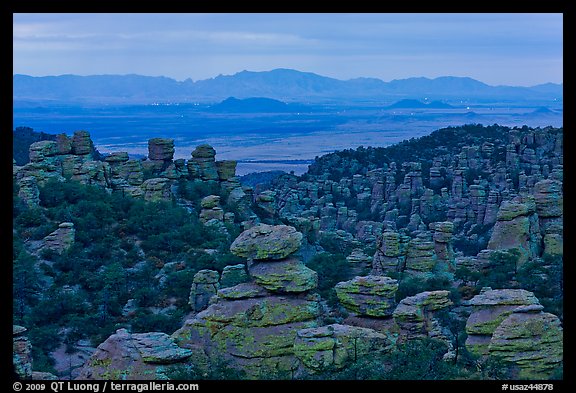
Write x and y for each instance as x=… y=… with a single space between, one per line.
x=497 y=49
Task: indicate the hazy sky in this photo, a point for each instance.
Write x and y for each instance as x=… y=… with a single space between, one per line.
x=511 y=49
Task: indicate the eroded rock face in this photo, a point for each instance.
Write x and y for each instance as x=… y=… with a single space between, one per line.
x=549 y=198
x=370 y=295
x=517 y=227
x=144 y=356
x=264 y=241
x=337 y=345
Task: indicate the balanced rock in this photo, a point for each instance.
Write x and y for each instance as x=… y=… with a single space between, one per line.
x=264 y=241
x=133 y=356
x=372 y=296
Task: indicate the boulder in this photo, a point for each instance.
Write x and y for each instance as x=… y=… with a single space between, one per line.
x=370 y=295
x=142 y=356
x=39 y=151
x=267 y=242
x=287 y=275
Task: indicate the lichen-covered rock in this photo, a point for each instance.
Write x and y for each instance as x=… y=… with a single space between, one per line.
x=337 y=345
x=233 y=275
x=161 y=149
x=415 y=314
x=205 y=284
x=244 y=290
x=370 y=295
x=489 y=309
x=210 y=202
x=156 y=189
x=255 y=334
x=21 y=353
x=144 y=356
x=553 y=244
x=531 y=341
x=264 y=241
x=420 y=257
x=61 y=239
x=517 y=227
x=39 y=151
x=549 y=198
x=287 y=275
x=63 y=144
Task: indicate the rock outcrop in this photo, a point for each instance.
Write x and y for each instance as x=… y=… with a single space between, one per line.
x=253 y=325
x=61 y=239
x=204 y=285
x=138 y=356
x=21 y=353
x=371 y=296
x=336 y=346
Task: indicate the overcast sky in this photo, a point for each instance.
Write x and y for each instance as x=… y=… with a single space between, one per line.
x=509 y=49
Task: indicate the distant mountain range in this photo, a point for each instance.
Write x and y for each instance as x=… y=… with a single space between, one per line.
x=280 y=84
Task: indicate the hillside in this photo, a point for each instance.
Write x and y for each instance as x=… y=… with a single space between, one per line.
x=421 y=260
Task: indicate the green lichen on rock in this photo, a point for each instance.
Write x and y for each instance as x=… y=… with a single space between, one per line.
x=262 y=242
x=532 y=341
x=370 y=295
x=289 y=275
